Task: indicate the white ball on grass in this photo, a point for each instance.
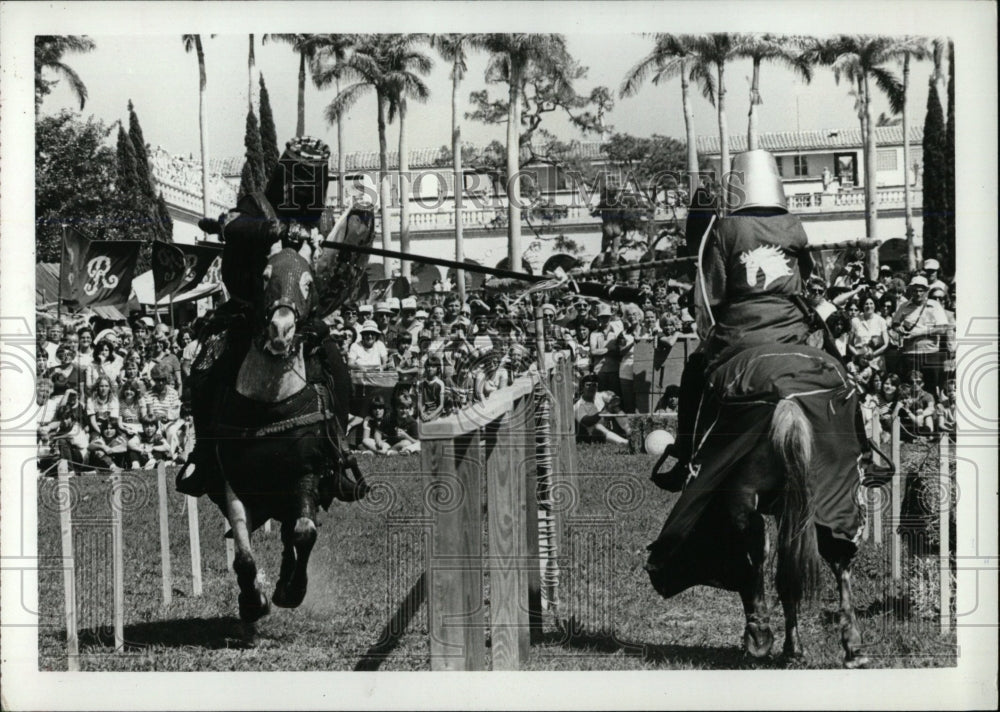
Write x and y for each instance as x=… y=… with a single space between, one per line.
x=657 y=441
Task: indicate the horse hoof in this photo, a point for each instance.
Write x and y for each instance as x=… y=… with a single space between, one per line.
x=287 y=596
x=859 y=661
x=253 y=608
x=793 y=653
x=758 y=641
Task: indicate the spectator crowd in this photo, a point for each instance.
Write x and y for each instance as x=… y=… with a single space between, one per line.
x=117 y=398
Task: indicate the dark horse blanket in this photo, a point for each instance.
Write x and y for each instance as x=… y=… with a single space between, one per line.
x=272 y=439
x=695 y=545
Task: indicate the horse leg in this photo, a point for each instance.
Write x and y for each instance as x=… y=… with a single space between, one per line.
x=838 y=554
x=252 y=601
x=793 y=644
x=298 y=539
x=850 y=633
x=757 y=636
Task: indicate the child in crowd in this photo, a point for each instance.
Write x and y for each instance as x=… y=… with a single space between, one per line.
x=108 y=450
x=918 y=409
x=148 y=447
x=946 y=408
x=430 y=392
x=375 y=427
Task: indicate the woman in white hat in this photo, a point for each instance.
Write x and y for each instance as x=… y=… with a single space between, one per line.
x=368 y=353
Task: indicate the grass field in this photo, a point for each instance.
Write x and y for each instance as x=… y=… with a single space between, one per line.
x=369 y=557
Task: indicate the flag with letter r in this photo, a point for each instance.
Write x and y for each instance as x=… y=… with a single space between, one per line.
x=97 y=272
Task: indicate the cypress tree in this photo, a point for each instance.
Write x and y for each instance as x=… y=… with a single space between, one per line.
x=252 y=177
x=268 y=133
x=128 y=179
x=164 y=221
x=948 y=263
x=130 y=218
x=144 y=177
x=934 y=179
x=141 y=155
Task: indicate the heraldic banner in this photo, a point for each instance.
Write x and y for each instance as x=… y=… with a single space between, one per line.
x=179 y=268
x=97 y=273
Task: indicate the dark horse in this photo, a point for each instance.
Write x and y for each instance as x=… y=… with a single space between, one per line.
x=276 y=444
x=797 y=466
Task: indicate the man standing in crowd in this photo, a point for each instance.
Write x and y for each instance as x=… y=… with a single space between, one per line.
x=921 y=323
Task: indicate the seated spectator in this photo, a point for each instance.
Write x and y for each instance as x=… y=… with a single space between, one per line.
x=588 y=409
x=403 y=433
x=105 y=362
x=65 y=439
x=669 y=400
x=102 y=405
x=148 y=447
x=918 y=407
x=130 y=407
x=946 y=408
x=369 y=353
x=108 y=449
x=374 y=429
x=404 y=358
x=162 y=403
x=888 y=401
x=430 y=390
x=66 y=376
x=85 y=347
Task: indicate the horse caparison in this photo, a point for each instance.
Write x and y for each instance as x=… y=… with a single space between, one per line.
x=773 y=479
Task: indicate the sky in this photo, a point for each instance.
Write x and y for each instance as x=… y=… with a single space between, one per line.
x=161 y=79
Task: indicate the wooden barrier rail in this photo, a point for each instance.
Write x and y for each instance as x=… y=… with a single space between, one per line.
x=496 y=440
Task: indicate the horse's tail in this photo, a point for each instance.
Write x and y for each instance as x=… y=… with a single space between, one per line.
x=798 y=569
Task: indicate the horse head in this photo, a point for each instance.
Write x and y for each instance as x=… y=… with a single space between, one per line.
x=288 y=300
x=747 y=259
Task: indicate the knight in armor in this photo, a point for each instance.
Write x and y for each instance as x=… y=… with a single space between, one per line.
x=289 y=212
x=752 y=264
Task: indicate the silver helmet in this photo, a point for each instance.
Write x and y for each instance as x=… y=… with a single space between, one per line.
x=755 y=182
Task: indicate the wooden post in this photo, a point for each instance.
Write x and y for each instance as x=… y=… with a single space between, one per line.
x=118 y=564
x=896 y=539
x=524 y=442
x=876 y=500
x=230 y=544
x=944 y=514
x=165 y=565
x=508 y=533
x=194 y=538
x=455 y=598
x=69 y=566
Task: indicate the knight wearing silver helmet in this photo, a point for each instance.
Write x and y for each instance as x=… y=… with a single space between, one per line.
x=752 y=264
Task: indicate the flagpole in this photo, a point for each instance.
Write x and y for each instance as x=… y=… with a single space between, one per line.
x=62 y=263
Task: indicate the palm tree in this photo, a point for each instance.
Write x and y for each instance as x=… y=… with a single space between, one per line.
x=306 y=46
x=49 y=51
x=452 y=48
x=911 y=48
x=372 y=66
x=251 y=61
x=406 y=64
x=859 y=58
x=512 y=55
x=194 y=42
x=715 y=50
x=327 y=66
x=774 y=48
x=673 y=55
